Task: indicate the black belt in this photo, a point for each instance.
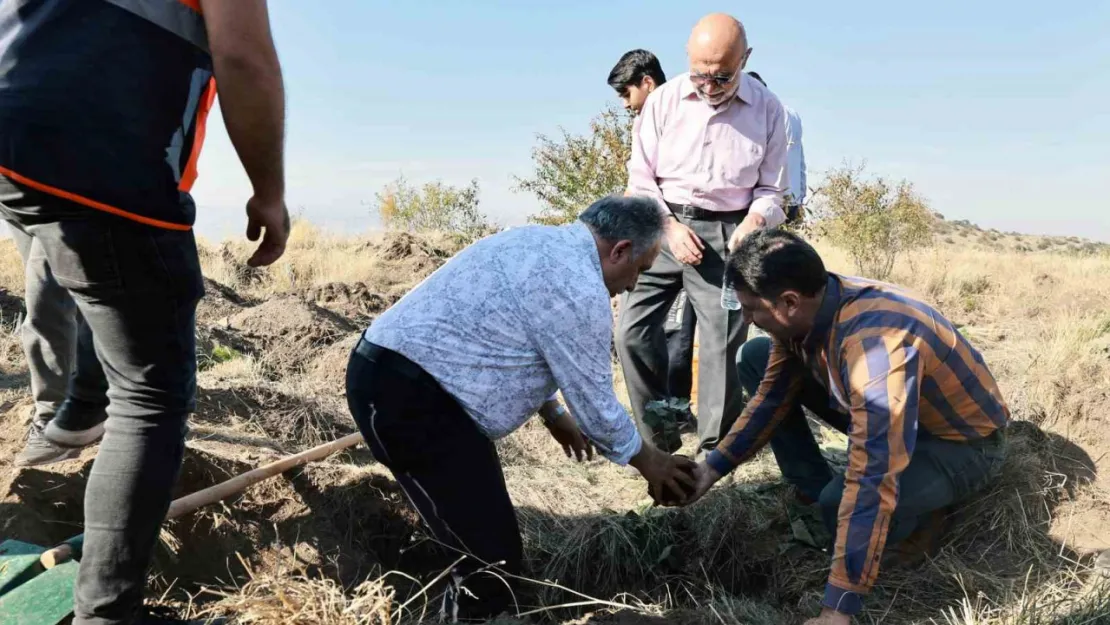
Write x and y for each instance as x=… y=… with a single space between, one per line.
x=393 y=360
x=701 y=214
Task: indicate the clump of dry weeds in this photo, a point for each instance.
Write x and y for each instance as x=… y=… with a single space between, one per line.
x=293 y=597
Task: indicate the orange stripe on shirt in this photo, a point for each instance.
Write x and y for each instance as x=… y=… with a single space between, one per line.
x=901 y=361
x=189 y=176
x=100 y=206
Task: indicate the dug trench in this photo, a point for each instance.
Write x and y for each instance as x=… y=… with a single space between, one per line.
x=340 y=521
x=346 y=520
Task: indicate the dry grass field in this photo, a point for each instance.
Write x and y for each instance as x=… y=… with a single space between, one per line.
x=325 y=544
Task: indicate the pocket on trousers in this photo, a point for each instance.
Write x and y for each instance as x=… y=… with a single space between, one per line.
x=83 y=258
x=177 y=257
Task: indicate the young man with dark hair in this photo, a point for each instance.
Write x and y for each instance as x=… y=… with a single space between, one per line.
x=636 y=75
x=924 y=417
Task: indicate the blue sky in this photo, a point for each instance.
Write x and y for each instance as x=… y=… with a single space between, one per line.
x=998 y=111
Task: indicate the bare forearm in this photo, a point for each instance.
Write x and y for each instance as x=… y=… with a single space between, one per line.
x=252 y=98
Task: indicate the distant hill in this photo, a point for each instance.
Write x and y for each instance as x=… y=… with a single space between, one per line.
x=962 y=232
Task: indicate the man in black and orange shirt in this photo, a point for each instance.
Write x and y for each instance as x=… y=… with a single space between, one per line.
x=924 y=417
x=102 y=113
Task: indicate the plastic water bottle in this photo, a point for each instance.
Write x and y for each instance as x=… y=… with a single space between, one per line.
x=729 y=300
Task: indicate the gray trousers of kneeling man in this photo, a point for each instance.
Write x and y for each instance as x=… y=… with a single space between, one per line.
x=641 y=344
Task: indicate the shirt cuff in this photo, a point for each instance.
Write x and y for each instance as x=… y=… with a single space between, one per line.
x=771 y=212
x=623 y=454
x=719 y=462
x=843 y=601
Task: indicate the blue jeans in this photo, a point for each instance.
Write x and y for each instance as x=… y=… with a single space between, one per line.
x=940 y=472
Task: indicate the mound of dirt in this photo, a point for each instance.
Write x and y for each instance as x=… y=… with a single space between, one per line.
x=354 y=301
x=219 y=303
x=285 y=332
x=329 y=368
x=288 y=317
x=297 y=419
x=399 y=245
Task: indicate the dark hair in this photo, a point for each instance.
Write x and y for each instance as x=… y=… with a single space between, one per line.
x=758 y=77
x=631 y=69
x=769 y=262
x=633 y=218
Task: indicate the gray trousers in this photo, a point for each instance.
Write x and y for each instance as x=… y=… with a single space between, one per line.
x=49 y=331
x=642 y=346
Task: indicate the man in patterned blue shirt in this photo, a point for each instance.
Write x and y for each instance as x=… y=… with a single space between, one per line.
x=475 y=350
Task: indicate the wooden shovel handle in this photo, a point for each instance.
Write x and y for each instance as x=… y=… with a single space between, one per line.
x=65 y=551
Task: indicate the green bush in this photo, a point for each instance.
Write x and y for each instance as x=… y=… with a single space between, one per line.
x=575 y=171
x=435 y=206
x=872 y=220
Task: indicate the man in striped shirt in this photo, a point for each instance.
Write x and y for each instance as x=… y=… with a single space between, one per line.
x=924 y=417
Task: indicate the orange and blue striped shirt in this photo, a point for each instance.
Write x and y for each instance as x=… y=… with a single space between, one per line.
x=893 y=364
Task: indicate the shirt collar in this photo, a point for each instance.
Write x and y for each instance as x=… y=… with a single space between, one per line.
x=744 y=93
x=583 y=232
x=825 y=316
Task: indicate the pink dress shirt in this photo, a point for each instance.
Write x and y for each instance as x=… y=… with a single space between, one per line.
x=726 y=159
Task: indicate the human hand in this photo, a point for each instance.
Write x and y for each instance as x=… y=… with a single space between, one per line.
x=704 y=479
x=750 y=224
x=670 y=478
x=830 y=616
x=565 y=432
x=683 y=243
x=271 y=216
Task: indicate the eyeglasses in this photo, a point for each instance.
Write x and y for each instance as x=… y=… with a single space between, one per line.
x=720 y=79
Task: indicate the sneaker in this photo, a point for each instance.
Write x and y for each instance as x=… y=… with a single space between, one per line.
x=40 y=451
x=56 y=432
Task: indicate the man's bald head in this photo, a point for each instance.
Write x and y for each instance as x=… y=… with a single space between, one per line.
x=718 y=50
x=717 y=38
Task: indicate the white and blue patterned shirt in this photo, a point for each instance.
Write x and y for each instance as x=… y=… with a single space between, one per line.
x=510 y=320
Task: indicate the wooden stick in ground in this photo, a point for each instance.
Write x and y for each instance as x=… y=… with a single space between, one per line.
x=64 y=552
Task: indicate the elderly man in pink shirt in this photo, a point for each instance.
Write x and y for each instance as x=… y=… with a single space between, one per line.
x=711 y=149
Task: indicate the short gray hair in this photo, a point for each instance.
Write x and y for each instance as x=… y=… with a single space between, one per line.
x=619 y=217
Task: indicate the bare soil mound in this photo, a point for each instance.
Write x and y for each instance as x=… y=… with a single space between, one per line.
x=404 y=259
x=297 y=421
x=285 y=331
x=354 y=301
x=219 y=303
x=329 y=368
